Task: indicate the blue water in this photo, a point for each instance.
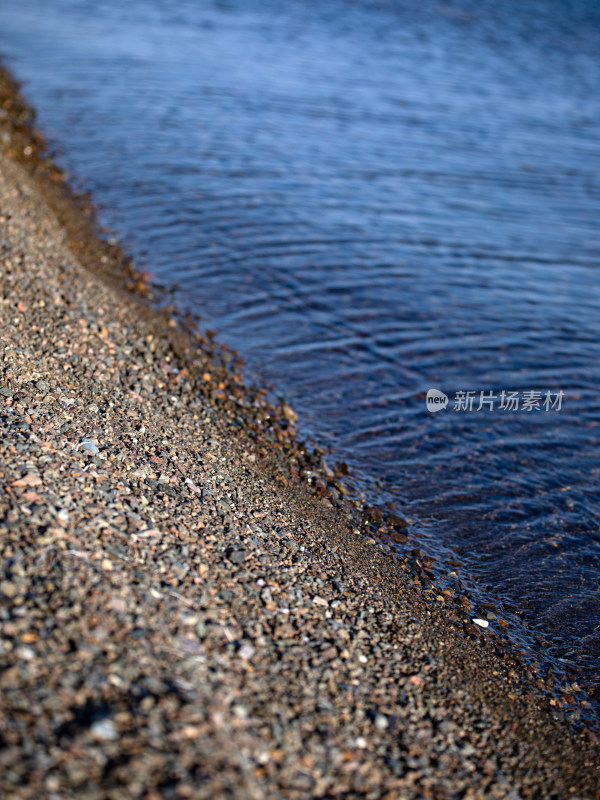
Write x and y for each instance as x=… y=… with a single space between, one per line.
x=370 y=199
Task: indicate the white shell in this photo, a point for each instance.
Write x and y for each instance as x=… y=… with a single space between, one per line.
x=483 y=623
x=87 y=444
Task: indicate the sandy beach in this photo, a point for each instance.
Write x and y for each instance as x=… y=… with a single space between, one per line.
x=182 y=613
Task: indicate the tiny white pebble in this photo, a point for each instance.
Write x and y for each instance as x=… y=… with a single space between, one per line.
x=361 y=742
x=483 y=623
x=87 y=444
x=381 y=722
x=26 y=653
x=246 y=652
x=104 y=730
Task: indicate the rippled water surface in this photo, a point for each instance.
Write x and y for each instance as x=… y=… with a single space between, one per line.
x=369 y=199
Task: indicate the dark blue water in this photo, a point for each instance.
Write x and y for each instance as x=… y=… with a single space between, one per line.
x=370 y=199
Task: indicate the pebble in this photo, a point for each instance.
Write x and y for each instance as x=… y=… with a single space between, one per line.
x=246 y=652
x=237 y=556
x=88 y=444
x=381 y=722
x=104 y=730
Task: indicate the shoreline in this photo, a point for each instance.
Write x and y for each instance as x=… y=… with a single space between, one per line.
x=200 y=589
x=274 y=422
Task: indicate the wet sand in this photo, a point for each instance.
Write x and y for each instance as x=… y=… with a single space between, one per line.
x=182 y=613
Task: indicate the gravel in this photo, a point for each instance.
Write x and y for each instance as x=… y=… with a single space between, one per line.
x=181 y=613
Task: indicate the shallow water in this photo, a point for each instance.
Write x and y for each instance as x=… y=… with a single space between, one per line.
x=370 y=199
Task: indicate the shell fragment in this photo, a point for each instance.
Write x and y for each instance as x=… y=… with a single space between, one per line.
x=87 y=444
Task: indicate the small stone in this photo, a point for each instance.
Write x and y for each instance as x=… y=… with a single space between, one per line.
x=483 y=623
x=396 y=522
x=5 y=391
x=9 y=589
x=87 y=444
x=237 y=556
x=31 y=479
x=374 y=514
x=26 y=653
x=290 y=414
x=52 y=783
x=117 y=603
x=104 y=730
x=381 y=722
x=246 y=652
